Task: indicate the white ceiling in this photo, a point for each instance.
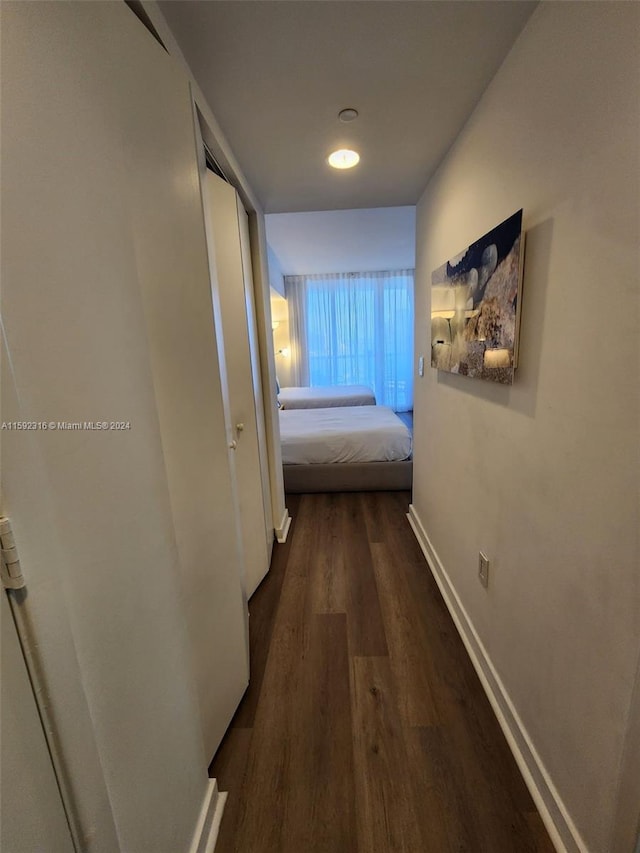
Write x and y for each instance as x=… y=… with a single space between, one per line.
x=277 y=72
x=329 y=241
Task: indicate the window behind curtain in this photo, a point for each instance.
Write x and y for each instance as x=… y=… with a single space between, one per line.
x=355 y=329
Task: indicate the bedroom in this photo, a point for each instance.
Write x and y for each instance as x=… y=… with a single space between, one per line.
x=359 y=327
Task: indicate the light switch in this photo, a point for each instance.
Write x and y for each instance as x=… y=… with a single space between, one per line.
x=421 y=366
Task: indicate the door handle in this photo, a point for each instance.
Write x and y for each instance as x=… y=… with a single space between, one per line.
x=239 y=427
x=233 y=444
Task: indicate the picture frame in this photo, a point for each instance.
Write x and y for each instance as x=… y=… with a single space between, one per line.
x=475 y=306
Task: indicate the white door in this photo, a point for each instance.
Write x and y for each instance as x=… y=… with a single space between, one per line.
x=223 y=232
x=188 y=378
x=33 y=818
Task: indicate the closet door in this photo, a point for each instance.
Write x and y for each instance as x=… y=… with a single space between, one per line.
x=170 y=241
x=236 y=308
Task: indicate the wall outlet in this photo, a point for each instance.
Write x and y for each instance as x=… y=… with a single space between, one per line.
x=483 y=569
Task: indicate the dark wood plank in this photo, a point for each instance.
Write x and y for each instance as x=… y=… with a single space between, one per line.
x=499 y=824
x=442 y=659
x=327 y=575
x=266 y=784
x=371 y=505
x=442 y=796
x=388 y=816
x=409 y=651
x=320 y=802
x=366 y=628
x=444 y=656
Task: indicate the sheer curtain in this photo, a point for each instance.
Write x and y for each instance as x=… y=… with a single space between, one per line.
x=354 y=329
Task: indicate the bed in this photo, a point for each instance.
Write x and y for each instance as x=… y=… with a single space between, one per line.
x=325 y=397
x=348 y=448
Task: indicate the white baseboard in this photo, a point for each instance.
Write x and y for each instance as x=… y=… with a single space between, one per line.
x=215 y=824
x=282 y=530
x=206 y=832
x=557 y=820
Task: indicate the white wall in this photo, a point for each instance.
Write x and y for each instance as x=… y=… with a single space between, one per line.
x=381 y=238
x=276 y=276
x=544 y=476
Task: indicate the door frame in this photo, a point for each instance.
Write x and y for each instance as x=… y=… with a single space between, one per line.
x=213 y=137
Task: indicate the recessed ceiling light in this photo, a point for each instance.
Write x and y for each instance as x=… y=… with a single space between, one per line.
x=344 y=159
x=348 y=114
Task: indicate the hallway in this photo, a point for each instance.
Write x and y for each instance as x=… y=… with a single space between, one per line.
x=365 y=728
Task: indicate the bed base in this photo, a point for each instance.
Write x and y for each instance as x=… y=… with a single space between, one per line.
x=349 y=477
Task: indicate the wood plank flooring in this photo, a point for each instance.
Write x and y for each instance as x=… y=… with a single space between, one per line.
x=365 y=728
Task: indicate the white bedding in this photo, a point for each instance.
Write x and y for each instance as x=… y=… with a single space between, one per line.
x=324 y=397
x=344 y=434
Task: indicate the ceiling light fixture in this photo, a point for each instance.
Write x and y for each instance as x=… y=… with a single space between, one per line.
x=344 y=159
x=348 y=114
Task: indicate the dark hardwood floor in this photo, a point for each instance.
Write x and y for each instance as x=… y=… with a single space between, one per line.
x=365 y=728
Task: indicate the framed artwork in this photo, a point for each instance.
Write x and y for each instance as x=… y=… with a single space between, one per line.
x=475 y=306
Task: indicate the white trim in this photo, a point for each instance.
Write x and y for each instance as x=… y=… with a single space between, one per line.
x=554 y=813
x=215 y=824
x=206 y=832
x=282 y=530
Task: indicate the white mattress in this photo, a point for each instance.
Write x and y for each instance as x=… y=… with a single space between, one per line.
x=324 y=397
x=346 y=434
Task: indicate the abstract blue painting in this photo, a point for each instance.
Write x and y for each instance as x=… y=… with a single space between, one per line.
x=475 y=306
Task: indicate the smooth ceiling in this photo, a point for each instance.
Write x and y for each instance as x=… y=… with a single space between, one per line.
x=276 y=74
x=332 y=241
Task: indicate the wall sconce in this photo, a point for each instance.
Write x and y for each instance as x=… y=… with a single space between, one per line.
x=285 y=352
x=274 y=325
x=497 y=358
